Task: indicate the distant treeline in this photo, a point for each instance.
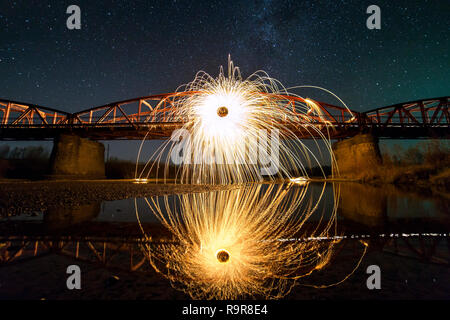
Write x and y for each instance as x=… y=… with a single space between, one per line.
x=125 y=169
x=424 y=163
x=30 y=162
x=434 y=152
x=33 y=162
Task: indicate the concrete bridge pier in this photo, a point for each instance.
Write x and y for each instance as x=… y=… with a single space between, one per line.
x=357 y=155
x=74 y=157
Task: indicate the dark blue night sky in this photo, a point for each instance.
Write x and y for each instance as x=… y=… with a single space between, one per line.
x=127 y=49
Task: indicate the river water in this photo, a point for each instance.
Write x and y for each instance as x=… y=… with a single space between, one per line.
x=406 y=235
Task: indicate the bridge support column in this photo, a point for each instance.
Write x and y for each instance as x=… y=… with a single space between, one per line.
x=74 y=157
x=357 y=155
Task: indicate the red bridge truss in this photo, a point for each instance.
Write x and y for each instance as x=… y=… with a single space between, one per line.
x=157 y=115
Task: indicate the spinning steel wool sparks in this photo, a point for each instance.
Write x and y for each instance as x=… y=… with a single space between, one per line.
x=239 y=130
x=232 y=244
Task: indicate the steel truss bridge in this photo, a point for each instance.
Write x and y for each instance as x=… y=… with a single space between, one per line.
x=156 y=117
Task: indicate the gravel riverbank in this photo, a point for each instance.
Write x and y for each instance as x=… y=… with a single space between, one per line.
x=18 y=197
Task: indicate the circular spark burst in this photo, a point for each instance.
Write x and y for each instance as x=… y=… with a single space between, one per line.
x=253 y=224
x=229 y=122
x=240 y=130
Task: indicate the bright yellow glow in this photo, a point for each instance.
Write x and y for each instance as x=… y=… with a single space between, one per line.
x=141 y=180
x=299 y=180
x=249 y=226
x=211 y=124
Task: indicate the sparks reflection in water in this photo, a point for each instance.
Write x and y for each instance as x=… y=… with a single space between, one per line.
x=229 y=244
x=232 y=122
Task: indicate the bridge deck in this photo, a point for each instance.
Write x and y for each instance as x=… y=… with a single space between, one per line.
x=155 y=117
x=162 y=131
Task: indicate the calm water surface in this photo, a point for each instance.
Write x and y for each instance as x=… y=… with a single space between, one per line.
x=407 y=235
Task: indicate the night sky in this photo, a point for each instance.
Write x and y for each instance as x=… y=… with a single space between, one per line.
x=127 y=49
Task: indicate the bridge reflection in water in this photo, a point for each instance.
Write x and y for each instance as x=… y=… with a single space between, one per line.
x=127 y=254
x=373 y=218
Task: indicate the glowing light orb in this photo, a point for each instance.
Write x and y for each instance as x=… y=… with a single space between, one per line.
x=218 y=116
x=223 y=255
x=222 y=112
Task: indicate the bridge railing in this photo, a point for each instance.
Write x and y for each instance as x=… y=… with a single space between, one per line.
x=430 y=112
x=160 y=109
x=167 y=109
x=17 y=113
